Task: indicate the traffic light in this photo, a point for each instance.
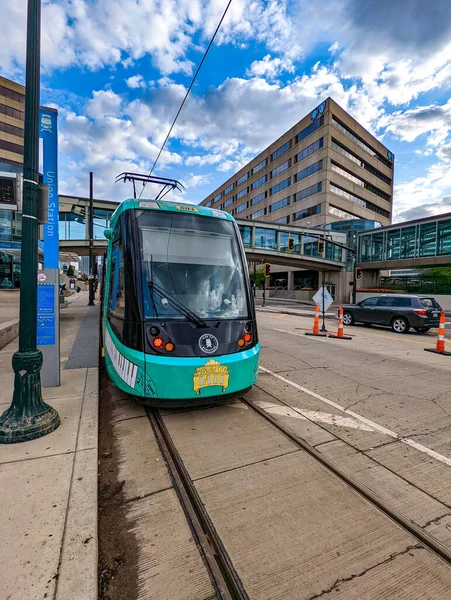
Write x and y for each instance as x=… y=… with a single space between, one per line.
x=290 y=244
x=320 y=246
x=266 y=269
x=358 y=273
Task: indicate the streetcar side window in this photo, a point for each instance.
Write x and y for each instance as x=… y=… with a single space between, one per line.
x=117 y=283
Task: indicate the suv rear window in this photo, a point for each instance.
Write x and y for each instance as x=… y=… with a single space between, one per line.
x=429 y=302
x=403 y=302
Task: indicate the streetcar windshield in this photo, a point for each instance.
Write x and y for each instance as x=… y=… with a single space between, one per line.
x=191 y=264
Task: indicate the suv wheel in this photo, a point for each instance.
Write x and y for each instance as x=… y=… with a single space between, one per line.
x=400 y=325
x=348 y=318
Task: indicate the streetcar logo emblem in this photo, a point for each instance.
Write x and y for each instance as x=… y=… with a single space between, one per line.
x=208 y=343
x=212 y=373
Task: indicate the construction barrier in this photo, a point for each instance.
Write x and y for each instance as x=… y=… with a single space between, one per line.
x=340 y=335
x=440 y=345
x=315 y=330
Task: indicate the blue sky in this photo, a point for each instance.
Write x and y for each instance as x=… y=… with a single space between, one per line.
x=118 y=69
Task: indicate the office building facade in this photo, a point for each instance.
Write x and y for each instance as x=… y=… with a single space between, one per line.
x=12 y=115
x=324 y=169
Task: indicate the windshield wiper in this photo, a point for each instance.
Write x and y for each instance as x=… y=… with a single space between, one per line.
x=189 y=314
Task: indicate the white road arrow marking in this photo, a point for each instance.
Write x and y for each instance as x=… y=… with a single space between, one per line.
x=312 y=415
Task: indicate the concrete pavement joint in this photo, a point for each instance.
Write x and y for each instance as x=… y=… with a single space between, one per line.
x=262 y=460
x=365 y=571
x=9 y=462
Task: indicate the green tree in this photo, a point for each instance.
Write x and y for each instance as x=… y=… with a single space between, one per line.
x=70 y=271
x=258 y=277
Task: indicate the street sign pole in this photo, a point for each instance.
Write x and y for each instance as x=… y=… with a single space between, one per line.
x=29 y=417
x=91 y=242
x=323 y=327
x=48 y=325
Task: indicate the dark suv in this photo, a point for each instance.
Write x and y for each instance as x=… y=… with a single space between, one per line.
x=400 y=312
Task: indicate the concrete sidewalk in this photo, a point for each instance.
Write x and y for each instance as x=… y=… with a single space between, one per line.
x=49 y=486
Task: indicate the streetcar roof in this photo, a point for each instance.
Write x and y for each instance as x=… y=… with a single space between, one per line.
x=169 y=206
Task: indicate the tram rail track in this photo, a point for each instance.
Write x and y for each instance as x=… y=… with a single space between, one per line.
x=222 y=573
x=224 y=577
x=415 y=530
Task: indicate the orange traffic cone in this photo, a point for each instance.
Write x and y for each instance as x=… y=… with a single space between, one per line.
x=315 y=330
x=440 y=345
x=340 y=335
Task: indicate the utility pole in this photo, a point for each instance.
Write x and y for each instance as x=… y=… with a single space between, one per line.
x=91 y=241
x=29 y=417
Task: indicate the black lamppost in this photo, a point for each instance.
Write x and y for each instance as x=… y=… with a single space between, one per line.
x=29 y=417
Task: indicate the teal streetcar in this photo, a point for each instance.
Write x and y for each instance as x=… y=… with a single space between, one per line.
x=179 y=325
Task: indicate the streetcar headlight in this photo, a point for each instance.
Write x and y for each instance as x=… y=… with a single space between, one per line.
x=154 y=330
x=158 y=342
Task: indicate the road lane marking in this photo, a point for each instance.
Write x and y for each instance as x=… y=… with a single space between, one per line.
x=312 y=415
x=372 y=424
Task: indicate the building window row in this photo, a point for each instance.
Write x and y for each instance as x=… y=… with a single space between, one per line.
x=307 y=212
x=343 y=214
x=310 y=150
x=281 y=150
x=309 y=191
x=11 y=129
x=279 y=204
x=208 y=204
x=357 y=140
x=241 y=207
x=242 y=193
x=243 y=178
x=281 y=168
x=228 y=202
x=11 y=112
x=309 y=171
x=286 y=165
x=345 y=152
x=361 y=182
x=259 y=182
x=11 y=94
x=359 y=201
x=258 y=198
x=4 y=145
x=280 y=186
x=284 y=220
x=217 y=197
x=261 y=165
x=258 y=214
x=310 y=129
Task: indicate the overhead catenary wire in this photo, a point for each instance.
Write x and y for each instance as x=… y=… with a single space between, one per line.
x=188 y=91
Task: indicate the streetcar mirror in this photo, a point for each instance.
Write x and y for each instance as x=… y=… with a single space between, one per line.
x=108 y=233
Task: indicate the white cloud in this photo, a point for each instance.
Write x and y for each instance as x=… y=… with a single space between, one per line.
x=104 y=103
x=407 y=125
x=135 y=81
x=270 y=67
